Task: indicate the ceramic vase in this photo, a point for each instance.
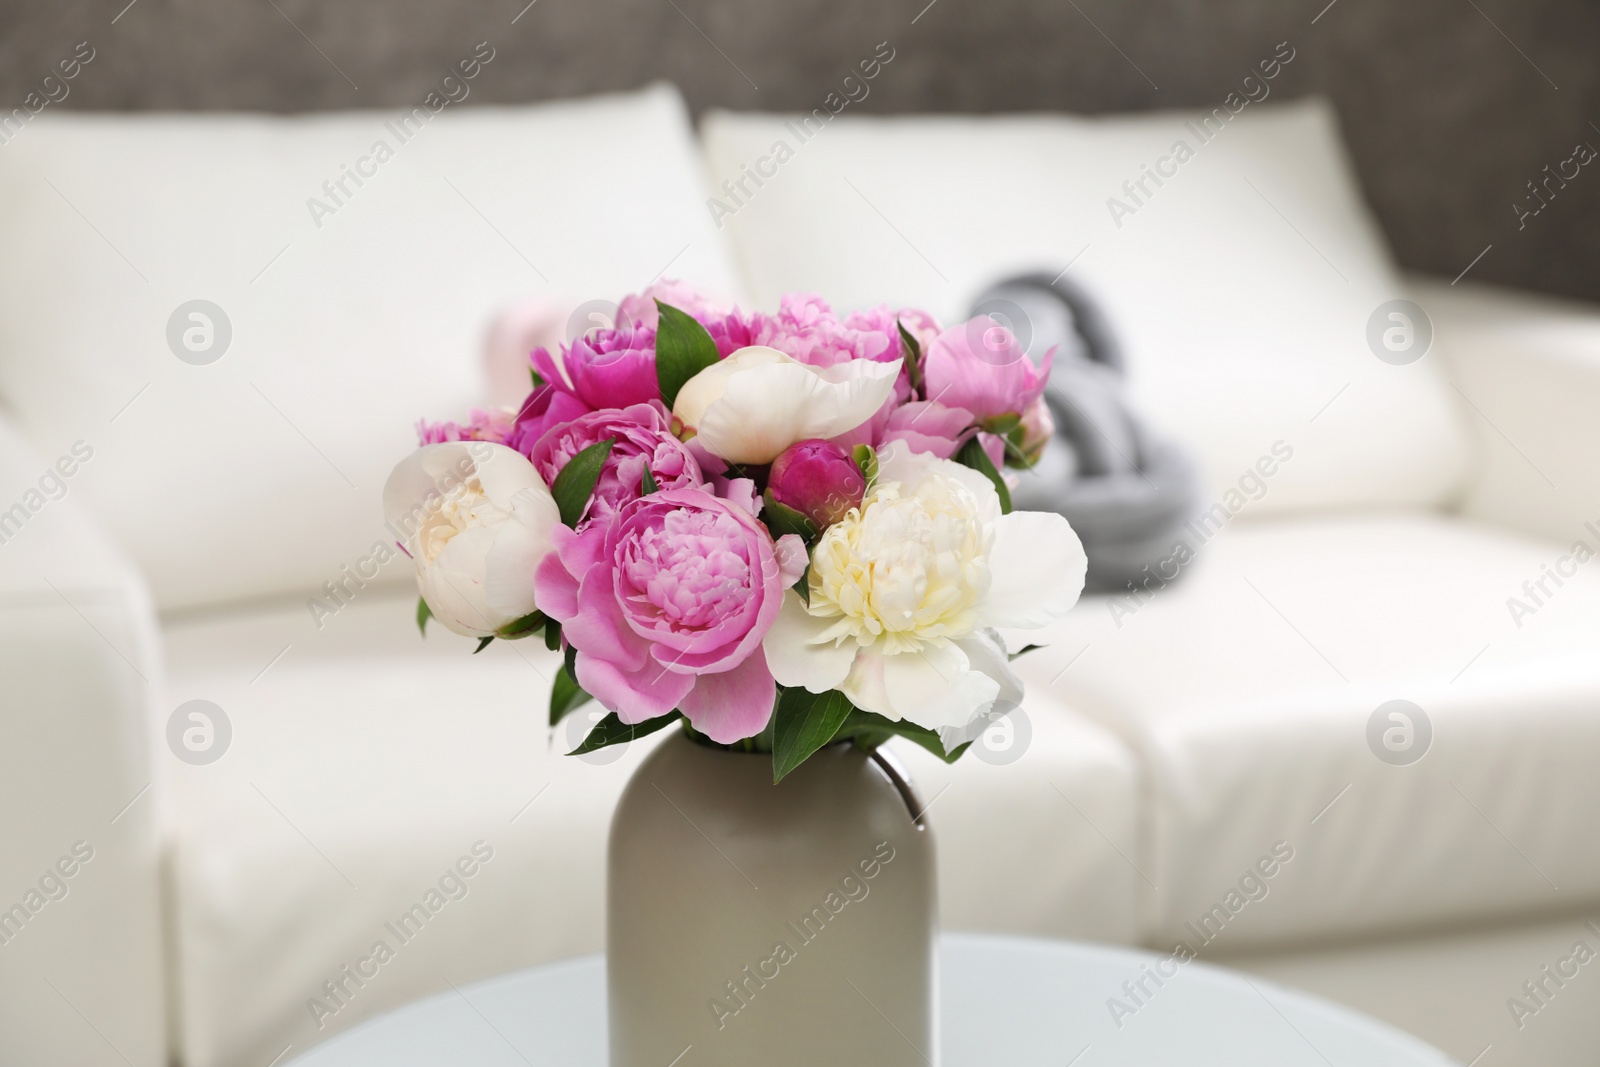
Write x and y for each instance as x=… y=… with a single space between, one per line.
x=787 y=925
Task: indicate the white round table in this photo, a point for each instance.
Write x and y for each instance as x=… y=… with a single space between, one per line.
x=1005 y=1002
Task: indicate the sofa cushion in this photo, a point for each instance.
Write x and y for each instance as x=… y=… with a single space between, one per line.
x=365 y=762
x=353 y=311
x=1242 y=286
x=80 y=866
x=1257 y=691
x=1528 y=367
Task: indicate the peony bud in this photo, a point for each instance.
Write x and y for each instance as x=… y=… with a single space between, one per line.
x=819 y=480
x=1031 y=435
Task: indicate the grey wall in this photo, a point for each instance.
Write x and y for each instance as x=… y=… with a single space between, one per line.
x=1449 y=114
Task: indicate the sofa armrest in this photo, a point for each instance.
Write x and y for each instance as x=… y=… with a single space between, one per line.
x=1527 y=369
x=80 y=901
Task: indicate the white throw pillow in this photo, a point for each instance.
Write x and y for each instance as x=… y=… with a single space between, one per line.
x=260 y=473
x=1242 y=286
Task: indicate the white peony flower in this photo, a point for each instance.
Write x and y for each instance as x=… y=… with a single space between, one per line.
x=907 y=591
x=757 y=402
x=476 y=517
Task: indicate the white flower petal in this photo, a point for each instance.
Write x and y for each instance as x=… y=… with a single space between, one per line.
x=795 y=655
x=898 y=463
x=985 y=653
x=508 y=477
x=705 y=388
x=766 y=402
x=520 y=545
x=455 y=587
x=864 y=684
x=934 y=687
x=486 y=516
x=1036 y=568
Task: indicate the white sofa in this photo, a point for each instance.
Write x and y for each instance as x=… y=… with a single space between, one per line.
x=1174 y=739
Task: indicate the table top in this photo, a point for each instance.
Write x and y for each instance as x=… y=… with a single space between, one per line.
x=1004 y=1002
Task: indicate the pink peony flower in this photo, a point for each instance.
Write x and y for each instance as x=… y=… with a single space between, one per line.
x=545 y=408
x=980 y=366
x=818 y=479
x=927 y=426
x=921 y=325
x=492 y=425
x=612 y=368
x=666 y=606
x=731 y=332
x=643 y=435
x=806 y=329
x=639 y=309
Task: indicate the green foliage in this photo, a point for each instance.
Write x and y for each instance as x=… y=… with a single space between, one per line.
x=683 y=349
x=575 y=484
x=802 y=723
x=521 y=627
x=869 y=730
x=782 y=519
x=972 y=455
x=913 y=357
x=867 y=460
x=613 y=731
x=566 y=696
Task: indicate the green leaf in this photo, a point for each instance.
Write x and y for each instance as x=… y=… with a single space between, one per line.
x=972 y=455
x=575 y=484
x=683 y=349
x=1024 y=650
x=1002 y=424
x=782 y=519
x=913 y=356
x=538 y=379
x=569 y=660
x=424 y=613
x=613 y=731
x=552 y=635
x=483 y=643
x=647 y=484
x=521 y=627
x=867 y=460
x=1015 y=456
x=802 y=723
x=566 y=695
x=869 y=730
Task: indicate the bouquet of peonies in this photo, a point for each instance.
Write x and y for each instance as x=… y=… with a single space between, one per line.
x=785 y=530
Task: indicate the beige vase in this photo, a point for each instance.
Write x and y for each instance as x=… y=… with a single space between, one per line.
x=788 y=925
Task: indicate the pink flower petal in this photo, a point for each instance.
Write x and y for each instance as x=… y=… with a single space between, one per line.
x=634 y=695
x=733 y=705
x=791 y=553
x=555 y=591
x=598 y=627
